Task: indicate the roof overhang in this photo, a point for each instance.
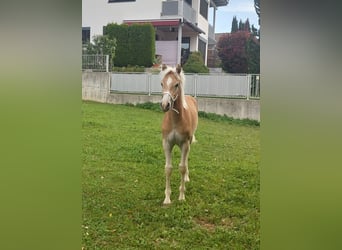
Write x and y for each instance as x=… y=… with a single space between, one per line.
x=219 y=3
x=193 y=26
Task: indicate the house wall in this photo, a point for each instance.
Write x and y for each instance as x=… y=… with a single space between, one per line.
x=166 y=50
x=96 y=14
x=203 y=25
x=194 y=43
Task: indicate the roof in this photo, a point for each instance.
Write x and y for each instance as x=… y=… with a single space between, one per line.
x=219 y=3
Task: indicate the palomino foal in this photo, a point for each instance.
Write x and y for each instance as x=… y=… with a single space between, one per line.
x=179 y=124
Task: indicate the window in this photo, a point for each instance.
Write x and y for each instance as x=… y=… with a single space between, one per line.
x=85 y=35
x=185 y=49
x=119 y=1
x=189 y=2
x=204 y=8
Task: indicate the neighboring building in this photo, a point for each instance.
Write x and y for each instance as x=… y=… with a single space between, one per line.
x=214 y=60
x=187 y=19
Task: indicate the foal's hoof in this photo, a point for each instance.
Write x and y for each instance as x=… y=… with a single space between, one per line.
x=167 y=202
x=181 y=198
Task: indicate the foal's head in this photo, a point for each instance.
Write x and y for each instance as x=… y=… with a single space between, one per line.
x=172 y=82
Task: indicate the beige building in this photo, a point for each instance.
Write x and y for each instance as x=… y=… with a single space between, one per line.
x=181 y=26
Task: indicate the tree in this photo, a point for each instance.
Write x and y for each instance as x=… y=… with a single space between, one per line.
x=195 y=64
x=247 y=26
x=235 y=27
x=241 y=25
x=255 y=32
x=257 y=8
x=253 y=55
x=239 y=52
x=102 y=45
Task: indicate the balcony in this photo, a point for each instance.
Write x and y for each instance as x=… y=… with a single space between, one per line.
x=175 y=8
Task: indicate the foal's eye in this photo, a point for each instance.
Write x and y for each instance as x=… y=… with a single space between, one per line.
x=177 y=85
x=161 y=84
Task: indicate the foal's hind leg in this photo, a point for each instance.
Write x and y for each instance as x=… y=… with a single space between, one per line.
x=183 y=168
x=168 y=169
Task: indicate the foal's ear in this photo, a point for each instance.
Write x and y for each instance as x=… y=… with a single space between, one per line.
x=179 y=68
x=164 y=67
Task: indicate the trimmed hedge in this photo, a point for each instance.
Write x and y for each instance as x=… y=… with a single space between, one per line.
x=135 y=43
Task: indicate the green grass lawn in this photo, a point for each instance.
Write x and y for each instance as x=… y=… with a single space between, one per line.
x=123 y=183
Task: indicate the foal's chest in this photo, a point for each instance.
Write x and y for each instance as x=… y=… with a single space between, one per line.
x=176 y=137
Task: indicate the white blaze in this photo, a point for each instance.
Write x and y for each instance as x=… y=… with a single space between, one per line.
x=169 y=81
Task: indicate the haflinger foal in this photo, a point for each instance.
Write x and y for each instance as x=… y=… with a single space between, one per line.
x=179 y=124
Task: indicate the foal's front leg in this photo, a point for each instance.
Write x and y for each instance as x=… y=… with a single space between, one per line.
x=183 y=168
x=168 y=169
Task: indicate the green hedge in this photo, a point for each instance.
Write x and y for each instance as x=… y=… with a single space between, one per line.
x=135 y=43
x=195 y=64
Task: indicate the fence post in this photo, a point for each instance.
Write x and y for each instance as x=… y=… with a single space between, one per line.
x=107 y=63
x=248 y=86
x=149 y=79
x=195 y=85
x=257 y=84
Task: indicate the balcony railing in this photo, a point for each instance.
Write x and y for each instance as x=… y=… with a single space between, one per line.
x=175 y=8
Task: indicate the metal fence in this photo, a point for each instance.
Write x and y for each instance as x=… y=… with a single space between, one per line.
x=244 y=86
x=95 y=62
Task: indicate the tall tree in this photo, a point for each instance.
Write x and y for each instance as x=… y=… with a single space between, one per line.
x=235 y=26
x=241 y=25
x=247 y=26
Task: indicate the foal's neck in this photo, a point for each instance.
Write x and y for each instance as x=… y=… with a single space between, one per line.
x=178 y=105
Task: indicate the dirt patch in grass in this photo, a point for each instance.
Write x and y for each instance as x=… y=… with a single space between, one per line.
x=205 y=223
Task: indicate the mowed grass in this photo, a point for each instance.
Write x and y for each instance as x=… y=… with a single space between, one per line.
x=123 y=183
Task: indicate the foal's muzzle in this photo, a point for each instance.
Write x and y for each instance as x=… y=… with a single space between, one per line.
x=167 y=102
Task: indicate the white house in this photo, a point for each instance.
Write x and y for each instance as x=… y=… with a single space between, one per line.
x=172 y=19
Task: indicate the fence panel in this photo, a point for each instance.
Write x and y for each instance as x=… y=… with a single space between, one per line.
x=95 y=62
x=155 y=84
x=222 y=85
x=130 y=82
x=190 y=82
x=215 y=85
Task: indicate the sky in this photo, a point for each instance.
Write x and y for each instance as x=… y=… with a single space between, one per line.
x=242 y=9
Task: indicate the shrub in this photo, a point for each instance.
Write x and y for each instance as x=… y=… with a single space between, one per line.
x=195 y=64
x=102 y=45
x=135 y=43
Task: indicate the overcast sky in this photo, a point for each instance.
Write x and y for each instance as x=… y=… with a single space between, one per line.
x=242 y=9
